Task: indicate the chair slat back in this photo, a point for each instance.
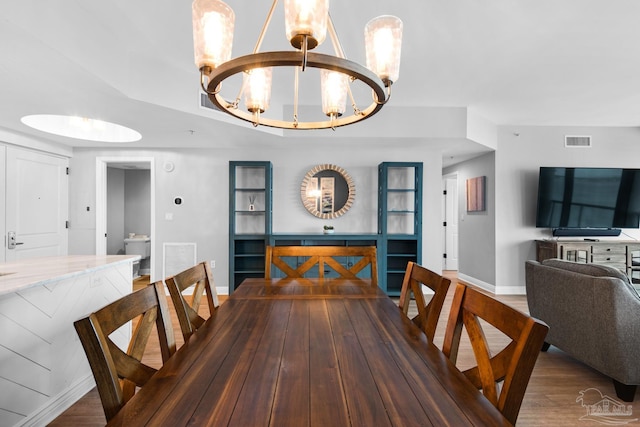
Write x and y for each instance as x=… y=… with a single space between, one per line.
x=428 y=314
x=200 y=280
x=321 y=257
x=513 y=365
x=118 y=373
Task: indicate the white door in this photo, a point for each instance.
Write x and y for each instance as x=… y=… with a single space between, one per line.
x=36 y=204
x=451 y=220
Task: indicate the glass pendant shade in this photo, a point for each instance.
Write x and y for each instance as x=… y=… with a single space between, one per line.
x=257 y=89
x=213 y=23
x=383 y=43
x=306 y=18
x=334 y=87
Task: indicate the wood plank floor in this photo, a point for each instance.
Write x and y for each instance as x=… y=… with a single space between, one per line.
x=550 y=399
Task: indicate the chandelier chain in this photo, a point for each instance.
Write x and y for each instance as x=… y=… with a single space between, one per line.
x=265 y=26
x=335 y=40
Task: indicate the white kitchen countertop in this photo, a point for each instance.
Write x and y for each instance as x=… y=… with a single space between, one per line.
x=20 y=275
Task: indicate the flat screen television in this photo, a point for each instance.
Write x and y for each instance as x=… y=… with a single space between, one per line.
x=588 y=201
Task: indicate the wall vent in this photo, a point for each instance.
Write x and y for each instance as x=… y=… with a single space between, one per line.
x=205 y=102
x=577 y=141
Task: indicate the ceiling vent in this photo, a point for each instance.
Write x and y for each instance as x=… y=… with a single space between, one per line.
x=205 y=102
x=577 y=141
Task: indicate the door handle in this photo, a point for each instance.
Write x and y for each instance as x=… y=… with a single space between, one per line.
x=11 y=240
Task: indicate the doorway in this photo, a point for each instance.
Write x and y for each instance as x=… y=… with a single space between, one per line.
x=103 y=223
x=450 y=220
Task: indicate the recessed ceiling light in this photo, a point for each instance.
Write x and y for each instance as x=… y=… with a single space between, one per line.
x=81 y=128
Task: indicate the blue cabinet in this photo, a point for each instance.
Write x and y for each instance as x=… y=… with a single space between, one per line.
x=250 y=212
x=398 y=240
x=399 y=221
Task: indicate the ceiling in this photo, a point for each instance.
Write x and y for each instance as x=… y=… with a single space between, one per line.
x=526 y=62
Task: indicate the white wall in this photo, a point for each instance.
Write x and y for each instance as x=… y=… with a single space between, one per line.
x=477 y=230
x=137 y=202
x=521 y=152
x=3 y=197
x=494 y=245
x=201 y=178
x=115 y=211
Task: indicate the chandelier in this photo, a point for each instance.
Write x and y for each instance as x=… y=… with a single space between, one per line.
x=306 y=25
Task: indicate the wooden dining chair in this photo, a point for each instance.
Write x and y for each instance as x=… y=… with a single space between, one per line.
x=118 y=373
x=300 y=261
x=199 y=280
x=428 y=314
x=512 y=366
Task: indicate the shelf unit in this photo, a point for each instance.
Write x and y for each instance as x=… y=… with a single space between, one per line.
x=399 y=221
x=250 y=218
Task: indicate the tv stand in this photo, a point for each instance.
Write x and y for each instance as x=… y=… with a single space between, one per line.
x=572 y=232
x=621 y=254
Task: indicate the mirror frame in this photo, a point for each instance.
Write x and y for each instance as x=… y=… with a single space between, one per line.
x=311 y=206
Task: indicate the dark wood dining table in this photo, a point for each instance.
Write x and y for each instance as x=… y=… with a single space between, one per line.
x=308 y=352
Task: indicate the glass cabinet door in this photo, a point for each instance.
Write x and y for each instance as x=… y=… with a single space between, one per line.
x=401 y=200
x=249 y=198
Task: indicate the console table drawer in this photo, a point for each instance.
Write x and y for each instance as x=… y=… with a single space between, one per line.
x=620 y=250
x=613 y=260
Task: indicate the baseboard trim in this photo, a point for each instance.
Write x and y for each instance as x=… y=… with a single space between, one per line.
x=512 y=290
x=476 y=282
x=503 y=290
x=60 y=403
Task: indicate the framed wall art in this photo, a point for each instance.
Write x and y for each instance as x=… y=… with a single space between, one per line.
x=476 y=190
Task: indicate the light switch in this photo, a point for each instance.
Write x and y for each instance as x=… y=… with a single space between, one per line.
x=168 y=216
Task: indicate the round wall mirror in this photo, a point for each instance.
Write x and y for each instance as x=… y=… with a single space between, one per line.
x=327 y=191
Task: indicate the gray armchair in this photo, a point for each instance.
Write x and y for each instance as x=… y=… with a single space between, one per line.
x=593 y=313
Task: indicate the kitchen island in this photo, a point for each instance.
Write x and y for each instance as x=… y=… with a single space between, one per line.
x=43 y=368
